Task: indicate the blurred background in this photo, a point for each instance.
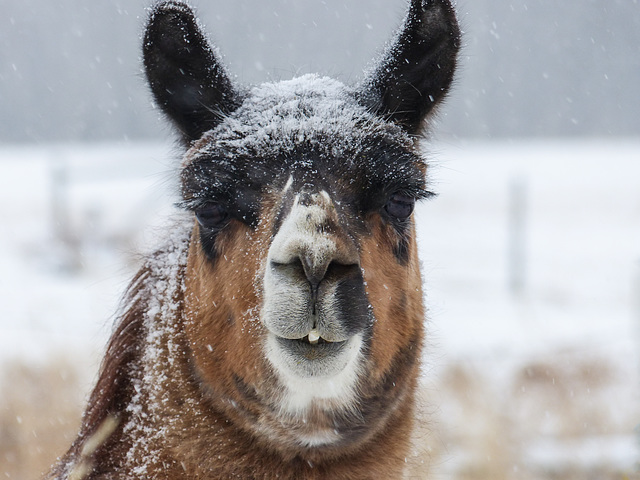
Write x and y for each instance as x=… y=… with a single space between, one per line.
x=531 y=251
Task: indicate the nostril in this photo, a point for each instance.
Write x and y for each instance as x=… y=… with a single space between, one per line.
x=303 y=267
x=317 y=272
x=293 y=268
x=338 y=269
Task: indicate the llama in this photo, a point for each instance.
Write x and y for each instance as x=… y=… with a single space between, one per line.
x=278 y=331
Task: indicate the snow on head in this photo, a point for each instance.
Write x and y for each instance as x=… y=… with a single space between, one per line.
x=317 y=111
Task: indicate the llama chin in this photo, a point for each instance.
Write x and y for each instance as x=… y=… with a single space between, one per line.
x=329 y=382
x=278 y=332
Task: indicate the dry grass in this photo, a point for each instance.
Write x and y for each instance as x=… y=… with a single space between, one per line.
x=537 y=420
x=40 y=410
x=471 y=425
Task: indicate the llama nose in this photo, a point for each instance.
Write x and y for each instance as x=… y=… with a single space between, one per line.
x=338 y=265
x=317 y=271
x=312 y=243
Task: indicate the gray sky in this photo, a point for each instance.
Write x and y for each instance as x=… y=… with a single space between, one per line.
x=70 y=70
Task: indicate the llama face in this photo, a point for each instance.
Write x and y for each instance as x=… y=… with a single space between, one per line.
x=305 y=163
x=303 y=288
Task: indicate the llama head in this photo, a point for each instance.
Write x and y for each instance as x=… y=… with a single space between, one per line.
x=303 y=285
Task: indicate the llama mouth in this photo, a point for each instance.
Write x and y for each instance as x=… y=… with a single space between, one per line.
x=298 y=358
x=314 y=338
x=311 y=347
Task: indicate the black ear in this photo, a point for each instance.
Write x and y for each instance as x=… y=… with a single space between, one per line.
x=187 y=80
x=418 y=69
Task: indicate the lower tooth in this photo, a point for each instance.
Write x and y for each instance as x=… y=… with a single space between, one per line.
x=314 y=336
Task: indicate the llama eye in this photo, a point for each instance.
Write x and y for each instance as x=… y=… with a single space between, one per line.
x=400 y=206
x=211 y=215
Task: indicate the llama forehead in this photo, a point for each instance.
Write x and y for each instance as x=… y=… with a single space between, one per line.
x=308 y=133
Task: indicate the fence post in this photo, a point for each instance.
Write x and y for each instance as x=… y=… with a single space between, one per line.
x=68 y=252
x=635 y=305
x=59 y=190
x=517 y=241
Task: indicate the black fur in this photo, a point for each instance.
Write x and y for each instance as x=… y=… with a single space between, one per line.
x=352 y=302
x=418 y=69
x=360 y=184
x=186 y=79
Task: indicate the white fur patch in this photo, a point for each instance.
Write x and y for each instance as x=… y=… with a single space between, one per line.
x=324 y=437
x=288 y=184
x=298 y=232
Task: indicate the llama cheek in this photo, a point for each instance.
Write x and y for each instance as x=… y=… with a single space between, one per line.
x=386 y=281
x=222 y=313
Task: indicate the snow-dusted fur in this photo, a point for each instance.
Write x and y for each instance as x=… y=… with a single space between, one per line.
x=278 y=332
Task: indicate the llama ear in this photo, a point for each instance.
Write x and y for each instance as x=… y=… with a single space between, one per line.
x=187 y=80
x=418 y=69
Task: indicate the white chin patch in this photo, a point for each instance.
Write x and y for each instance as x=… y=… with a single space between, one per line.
x=324 y=437
x=328 y=379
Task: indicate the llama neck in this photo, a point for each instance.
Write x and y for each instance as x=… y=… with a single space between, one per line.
x=155 y=375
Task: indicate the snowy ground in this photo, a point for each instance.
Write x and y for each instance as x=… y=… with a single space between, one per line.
x=500 y=364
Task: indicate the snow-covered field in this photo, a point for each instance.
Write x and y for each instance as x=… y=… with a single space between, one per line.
x=546 y=376
x=536 y=382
